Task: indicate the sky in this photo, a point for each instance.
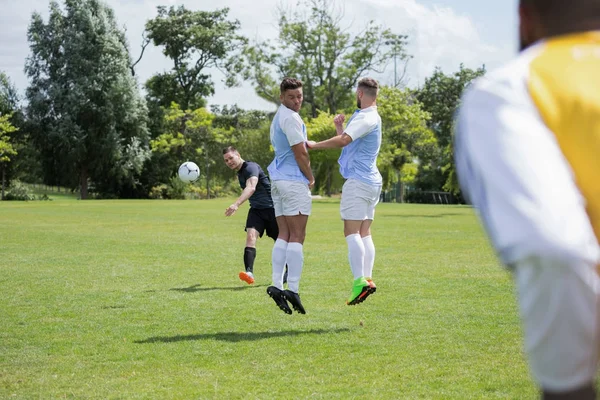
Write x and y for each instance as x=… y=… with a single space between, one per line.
x=442 y=33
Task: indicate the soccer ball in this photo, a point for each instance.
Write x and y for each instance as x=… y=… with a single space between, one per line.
x=189 y=172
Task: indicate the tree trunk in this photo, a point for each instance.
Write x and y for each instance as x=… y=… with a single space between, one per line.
x=401 y=194
x=3 y=181
x=207 y=180
x=83 y=183
x=329 y=181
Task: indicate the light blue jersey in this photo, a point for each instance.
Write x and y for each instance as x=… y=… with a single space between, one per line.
x=287 y=130
x=359 y=159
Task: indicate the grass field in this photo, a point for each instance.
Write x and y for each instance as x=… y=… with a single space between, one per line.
x=141 y=300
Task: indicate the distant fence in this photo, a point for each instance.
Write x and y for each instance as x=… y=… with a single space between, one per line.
x=41 y=187
x=398 y=194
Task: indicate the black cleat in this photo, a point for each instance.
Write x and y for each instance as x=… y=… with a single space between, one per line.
x=279 y=298
x=294 y=300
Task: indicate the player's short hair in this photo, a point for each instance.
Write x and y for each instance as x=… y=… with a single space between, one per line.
x=369 y=86
x=289 y=84
x=229 y=149
x=561 y=15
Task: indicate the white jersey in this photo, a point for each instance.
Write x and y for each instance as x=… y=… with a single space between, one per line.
x=528 y=151
x=359 y=159
x=287 y=130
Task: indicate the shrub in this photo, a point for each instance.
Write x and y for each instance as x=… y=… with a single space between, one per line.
x=18 y=191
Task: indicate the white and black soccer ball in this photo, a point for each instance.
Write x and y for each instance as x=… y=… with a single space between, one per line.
x=189 y=172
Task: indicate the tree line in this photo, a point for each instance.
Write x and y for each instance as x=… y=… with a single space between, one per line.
x=86 y=124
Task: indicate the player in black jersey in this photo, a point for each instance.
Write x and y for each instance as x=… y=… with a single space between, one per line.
x=256 y=188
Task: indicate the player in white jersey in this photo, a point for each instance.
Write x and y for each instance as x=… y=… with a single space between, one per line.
x=361 y=141
x=291 y=183
x=527 y=152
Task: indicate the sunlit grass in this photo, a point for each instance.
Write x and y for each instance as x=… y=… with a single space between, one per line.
x=141 y=299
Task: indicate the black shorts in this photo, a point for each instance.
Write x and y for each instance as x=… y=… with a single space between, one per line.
x=263 y=219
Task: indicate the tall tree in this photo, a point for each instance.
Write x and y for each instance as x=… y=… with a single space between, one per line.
x=10 y=105
x=317 y=48
x=195 y=41
x=7 y=150
x=324 y=162
x=407 y=139
x=87 y=116
x=9 y=96
x=440 y=96
x=250 y=132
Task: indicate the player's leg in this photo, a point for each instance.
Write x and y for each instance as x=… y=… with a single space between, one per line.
x=297 y=206
x=278 y=255
x=560 y=309
x=353 y=209
x=249 y=255
x=295 y=258
x=369 y=259
x=254 y=230
x=365 y=233
x=272 y=229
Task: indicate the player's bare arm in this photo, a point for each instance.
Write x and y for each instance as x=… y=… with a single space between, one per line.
x=335 y=142
x=246 y=194
x=303 y=160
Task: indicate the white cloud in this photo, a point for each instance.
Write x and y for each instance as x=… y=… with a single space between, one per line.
x=439 y=36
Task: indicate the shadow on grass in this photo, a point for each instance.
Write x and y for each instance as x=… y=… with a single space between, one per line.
x=237 y=336
x=197 y=288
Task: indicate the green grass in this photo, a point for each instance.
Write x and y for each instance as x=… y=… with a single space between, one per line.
x=141 y=300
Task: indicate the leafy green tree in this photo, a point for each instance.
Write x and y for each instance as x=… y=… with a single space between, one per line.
x=324 y=162
x=317 y=48
x=87 y=117
x=6 y=148
x=440 y=96
x=10 y=104
x=9 y=96
x=195 y=41
x=408 y=142
x=190 y=136
x=250 y=135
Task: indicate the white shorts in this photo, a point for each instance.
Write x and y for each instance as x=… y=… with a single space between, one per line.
x=291 y=198
x=560 y=309
x=359 y=200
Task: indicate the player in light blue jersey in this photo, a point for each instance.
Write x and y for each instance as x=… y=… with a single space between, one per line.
x=291 y=182
x=361 y=141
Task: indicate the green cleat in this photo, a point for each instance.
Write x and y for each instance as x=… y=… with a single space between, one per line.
x=360 y=291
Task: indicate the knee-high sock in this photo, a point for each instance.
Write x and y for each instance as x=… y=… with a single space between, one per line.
x=295 y=262
x=356 y=254
x=249 y=256
x=369 y=256
x=278 y=259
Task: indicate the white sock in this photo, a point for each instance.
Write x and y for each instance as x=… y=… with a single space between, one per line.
x=295 y=261
x=278 y=259
x=356 y=254
x=369 y=256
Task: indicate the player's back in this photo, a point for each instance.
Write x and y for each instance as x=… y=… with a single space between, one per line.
x=564 y=84
x=527 y=150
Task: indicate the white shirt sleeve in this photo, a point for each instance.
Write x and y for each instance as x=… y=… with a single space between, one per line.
x=360 y=125
x=513 y=171
x=292 y=127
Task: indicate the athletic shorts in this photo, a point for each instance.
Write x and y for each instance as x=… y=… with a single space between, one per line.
x=359 y=200
x=263 y=219
x=291 y=198
x=560 y=309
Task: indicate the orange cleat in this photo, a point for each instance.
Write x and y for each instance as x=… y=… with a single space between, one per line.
x=247 y=277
